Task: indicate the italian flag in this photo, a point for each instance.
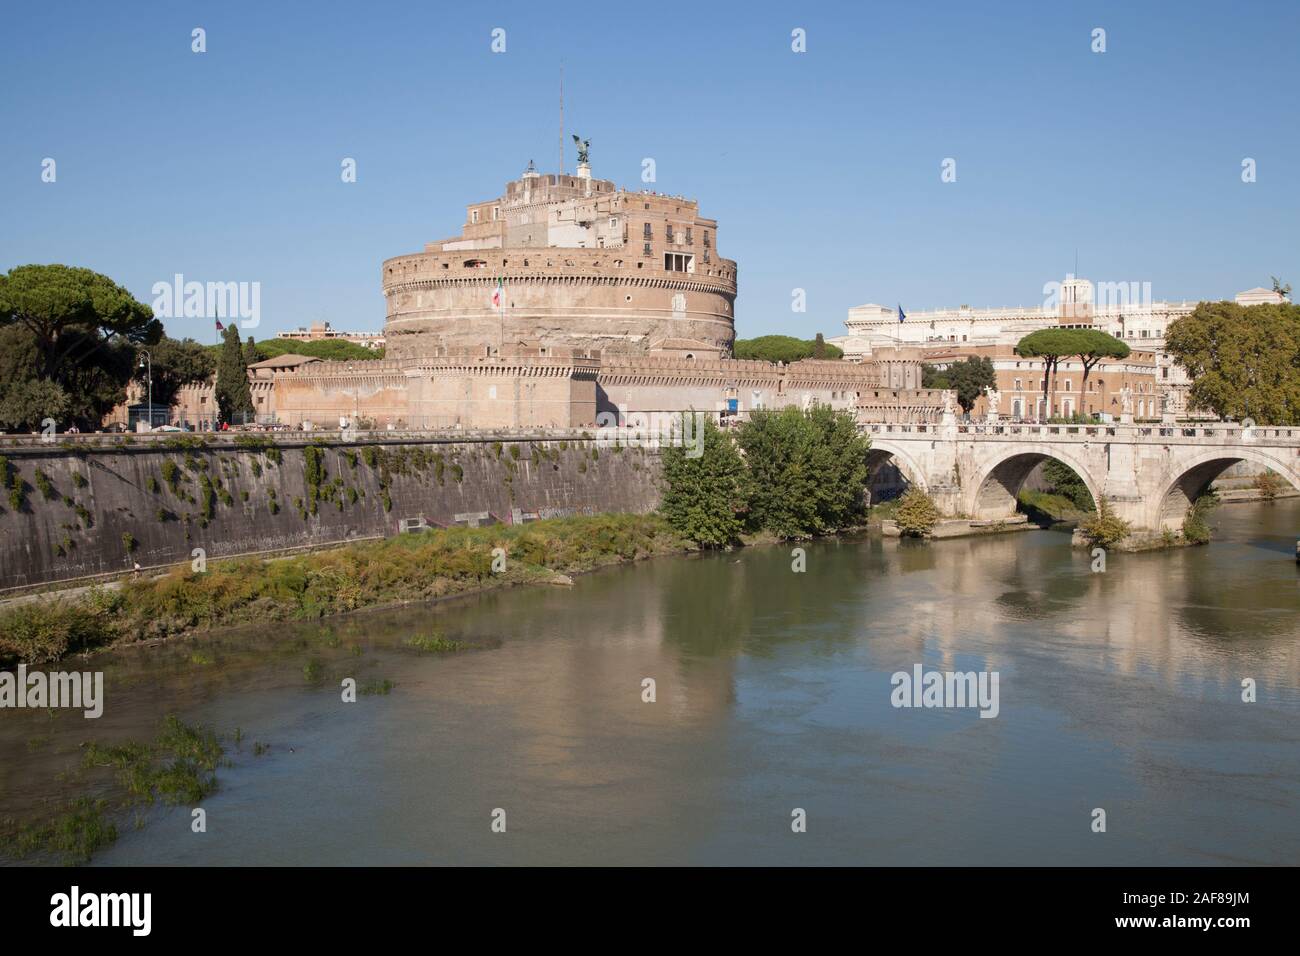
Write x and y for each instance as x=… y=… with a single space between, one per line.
x=498 y=294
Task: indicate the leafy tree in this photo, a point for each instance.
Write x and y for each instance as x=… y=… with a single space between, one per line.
x=26 y=404
x=330 y=350
x=970 y=378
x=807 y=470
x=1281 y=288
x=1052 y=345
x=1095 y=346
x=250 y=352
x=932 y=377
x=704 y=496
x=916 y=515
x=1063 y=480
x=177 y=363
x=783 y=348
x=1244 y=361
x=823 y=351
x=71 y=312
x=74 y=328
x=233 y=395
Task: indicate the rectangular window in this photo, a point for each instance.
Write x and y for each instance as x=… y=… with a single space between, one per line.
x=689 y=240
x=647 y=232
x=496 y=213
x=647 y=249
x=473 y=216
x=668 y=232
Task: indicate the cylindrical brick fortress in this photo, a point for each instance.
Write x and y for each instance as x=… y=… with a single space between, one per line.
x=581 y=264
x=553 y=297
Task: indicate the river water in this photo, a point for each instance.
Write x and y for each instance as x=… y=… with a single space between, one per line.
x=1119 y=690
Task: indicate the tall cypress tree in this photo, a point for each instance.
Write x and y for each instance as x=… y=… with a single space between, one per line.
x=233 y=395
x=250 y=352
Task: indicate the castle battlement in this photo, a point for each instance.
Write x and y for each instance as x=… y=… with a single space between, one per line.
x=565 y=261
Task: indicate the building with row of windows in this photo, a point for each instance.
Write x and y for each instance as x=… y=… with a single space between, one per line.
x=1126 y=310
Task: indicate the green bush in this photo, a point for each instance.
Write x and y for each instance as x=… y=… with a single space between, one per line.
x=1063 y=480
x=40 y=632
x=1267 y=483
x=171 y=474
x=916 y=514
x=45 y=486
x=807 y=471
x=207 y=498
x=1103 y=527
x=1196 y=523
x=704 y=497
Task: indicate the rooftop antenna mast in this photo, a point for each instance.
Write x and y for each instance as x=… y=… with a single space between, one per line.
x=561 y=117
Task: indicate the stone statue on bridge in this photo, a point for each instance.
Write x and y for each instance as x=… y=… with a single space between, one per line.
x=1126 y=405
x=994 y=399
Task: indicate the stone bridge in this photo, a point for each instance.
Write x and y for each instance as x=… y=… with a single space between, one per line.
x=1150 y=473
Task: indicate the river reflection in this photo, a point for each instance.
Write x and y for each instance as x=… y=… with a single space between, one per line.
x=1119 y=690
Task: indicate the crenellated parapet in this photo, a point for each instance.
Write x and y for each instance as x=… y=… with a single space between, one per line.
x=565 y=261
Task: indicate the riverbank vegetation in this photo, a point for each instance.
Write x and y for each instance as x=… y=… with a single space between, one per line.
x=916 y=514
x=1103 y=527
x=787 y=474
x=1196 y=523
x=1062 y=499
x=410 y=567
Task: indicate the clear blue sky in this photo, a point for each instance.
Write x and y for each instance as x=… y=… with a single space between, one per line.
x=822 y=168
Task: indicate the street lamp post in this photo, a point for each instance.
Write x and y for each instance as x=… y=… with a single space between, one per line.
x=148 y=361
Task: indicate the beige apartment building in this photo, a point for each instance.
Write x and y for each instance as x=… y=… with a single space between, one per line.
x=1126 y=310
x=1113 y=387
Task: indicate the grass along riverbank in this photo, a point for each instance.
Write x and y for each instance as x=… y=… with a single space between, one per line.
x=410 y=567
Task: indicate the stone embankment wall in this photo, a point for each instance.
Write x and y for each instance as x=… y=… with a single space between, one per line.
x=72 y=510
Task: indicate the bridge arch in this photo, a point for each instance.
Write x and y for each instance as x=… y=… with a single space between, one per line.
x=1182 y=484
x=882 y=452
x=994 y=492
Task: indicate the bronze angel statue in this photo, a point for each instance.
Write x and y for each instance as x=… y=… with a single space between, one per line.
x=584 y=148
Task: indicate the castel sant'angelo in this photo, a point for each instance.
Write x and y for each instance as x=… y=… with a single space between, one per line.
x=564 y=298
